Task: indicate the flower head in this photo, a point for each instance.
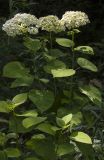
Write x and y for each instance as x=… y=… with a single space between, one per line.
x=74 y=19
x=20 y=24
x=51 y=23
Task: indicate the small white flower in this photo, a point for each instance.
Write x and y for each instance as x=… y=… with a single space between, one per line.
x=33 y=30
x=51 y=23
x=21 y=24
x=74 y=19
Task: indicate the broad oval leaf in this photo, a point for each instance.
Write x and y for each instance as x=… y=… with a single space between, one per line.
x=30 y=113
x=32 y=44
x=13 y=152
x=43 y=148
x=55 y=64
x=65 y=148
x=93 y=93
x=58 y=73
x=81 y=137
x=19 y=99
x=31 y=121
x=14 y=70
x=65 y=42
x=47 y=128
x=85 y=49
x=84 y=63
x=43 y=99
x=56 y=53
x=23 y=81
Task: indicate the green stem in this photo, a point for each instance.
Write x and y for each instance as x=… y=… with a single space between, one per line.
x=73 y=56
x=73 y=59
x=51 y=48
x=50 y=39
x=14 y=115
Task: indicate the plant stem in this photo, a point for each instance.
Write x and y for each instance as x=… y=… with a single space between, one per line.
x=51 y=48
x=73 y=58
x=50 y=39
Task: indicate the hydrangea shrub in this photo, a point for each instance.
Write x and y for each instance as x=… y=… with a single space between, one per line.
x=49 y=117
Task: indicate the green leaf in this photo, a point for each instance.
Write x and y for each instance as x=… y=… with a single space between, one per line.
x=31 y=121
x=56 y=53
x=4 y=107
x=30 y=113
x=56 y=64
x=19 y=99
x=87 y=150
x=14 y=70
x=16 y=126
x=76 y=119
x=38 y=137
x=81 y=137
x=67 y=118
x=43 y=99
x=23 y=81
x=13 y=152
x=11 y=136
x=60 y=122
x=84 y=63
x=47 y=128
x=32 y=44
x=62 y=72
x=44 y=80
x=85 y=49
x=93 y=93
x=64 y=149
x=65 y=42
x=44 y=148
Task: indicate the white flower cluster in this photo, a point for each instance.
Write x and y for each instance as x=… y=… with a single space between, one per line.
x=74 y=19
x=51 y=23
x=20 y=24
x=27 y=23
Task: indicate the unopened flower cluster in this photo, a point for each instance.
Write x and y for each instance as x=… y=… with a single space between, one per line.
x=72 y=19
x=21 y=24
x=26 y=23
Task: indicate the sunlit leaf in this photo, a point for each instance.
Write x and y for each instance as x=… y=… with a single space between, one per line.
x=56 y=64
x=65 y=42
x=85 y=49
x=19 y=99
x=81 y=137
x=93 y=93
x=58 y=73
x=84 y=63
x=47 y=128
x=31 y=121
